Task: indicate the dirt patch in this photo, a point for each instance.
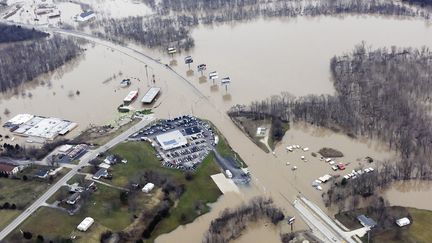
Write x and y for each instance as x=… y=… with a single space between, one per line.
x=330 y=153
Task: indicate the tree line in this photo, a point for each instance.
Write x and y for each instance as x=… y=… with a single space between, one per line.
x=173 y=21
x=231 y=223
x=422 y=3
x=14 y=33
x=154 y=32
x=382 y=94
x=24 y=61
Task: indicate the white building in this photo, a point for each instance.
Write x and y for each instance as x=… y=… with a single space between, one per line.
x=148 y=187
x=85 y=224
x=403 y=222
x=85 y=16
x=171 y=140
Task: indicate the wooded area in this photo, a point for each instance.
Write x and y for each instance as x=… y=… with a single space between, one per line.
x=231 y=223
x=382 y=94
x=14 y=33
x=24 y=61
x=174 y=20
x=423 y=3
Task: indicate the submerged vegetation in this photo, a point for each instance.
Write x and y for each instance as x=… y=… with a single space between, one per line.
x=24 y=61
x=173 y=21
x=14 y=33
x=231 y=223
x=381 y=94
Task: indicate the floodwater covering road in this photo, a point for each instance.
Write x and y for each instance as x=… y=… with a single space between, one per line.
x=294 y=61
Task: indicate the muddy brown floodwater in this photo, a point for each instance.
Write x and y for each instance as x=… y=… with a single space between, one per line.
x=416 y=194
x=263 y=58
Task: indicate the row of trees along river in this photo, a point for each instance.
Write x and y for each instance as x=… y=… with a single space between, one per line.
x=382 y=94
x=173 y=20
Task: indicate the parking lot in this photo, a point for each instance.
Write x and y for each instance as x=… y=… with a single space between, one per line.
x=181 y=143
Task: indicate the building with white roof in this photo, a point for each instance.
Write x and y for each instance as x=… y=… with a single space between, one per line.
x=171 y=140
x=150 y=95
x=403 y=222
x=85 y=224
x=148 y=187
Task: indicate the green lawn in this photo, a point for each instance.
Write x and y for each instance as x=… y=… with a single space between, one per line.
x=18 y=192
x=6 y=216
x=103 y=205
x=141 y=157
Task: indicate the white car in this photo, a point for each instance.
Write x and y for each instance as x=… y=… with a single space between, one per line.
x=334 y=167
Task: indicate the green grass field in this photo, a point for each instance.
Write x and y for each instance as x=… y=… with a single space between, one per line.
x=141 y=157
x=18 y=192
x=103 y=205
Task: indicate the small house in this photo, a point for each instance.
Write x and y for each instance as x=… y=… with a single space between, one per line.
x=100 y=173
x=8 y=169
x=74 y=198
x=366 y=222
x=42 y=174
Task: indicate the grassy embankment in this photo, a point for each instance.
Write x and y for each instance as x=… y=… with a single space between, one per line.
x=418 y=231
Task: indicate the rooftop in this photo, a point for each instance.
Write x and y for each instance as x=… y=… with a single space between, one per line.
x=150 y=95
x=171 y=140
x=6 y=167
x=365 y=221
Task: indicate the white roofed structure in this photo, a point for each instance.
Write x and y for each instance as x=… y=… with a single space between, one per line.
x=403 y=222
x=150 y=95
x=148 y=187
x=85 y=224
x=171 y=140
x=131 y=96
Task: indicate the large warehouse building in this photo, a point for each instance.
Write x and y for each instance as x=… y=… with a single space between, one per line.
x=171 y=140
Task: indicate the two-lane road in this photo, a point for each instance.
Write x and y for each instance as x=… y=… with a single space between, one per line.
x=85 y=159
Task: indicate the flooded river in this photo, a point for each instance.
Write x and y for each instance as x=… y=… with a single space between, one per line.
x=416 y=194
x=287 y=55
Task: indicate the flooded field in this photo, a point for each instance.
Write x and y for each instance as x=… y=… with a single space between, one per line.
x=416 y=194
x=288 y=55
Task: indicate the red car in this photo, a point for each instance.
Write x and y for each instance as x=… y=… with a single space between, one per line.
x=341 y=166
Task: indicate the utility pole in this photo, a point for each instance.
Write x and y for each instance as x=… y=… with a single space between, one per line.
x=147 y=75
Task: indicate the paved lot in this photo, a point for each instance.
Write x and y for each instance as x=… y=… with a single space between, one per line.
x=200 y=141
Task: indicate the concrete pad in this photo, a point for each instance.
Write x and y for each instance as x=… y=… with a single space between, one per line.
x=225 y=184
